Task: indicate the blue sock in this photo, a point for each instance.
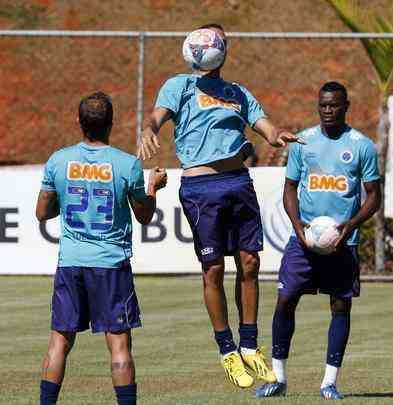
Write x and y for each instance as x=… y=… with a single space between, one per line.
x=49 y=392
x=248 y=335
x=338 y=338
x=225 y=342
x=282 y=330
x=126 y=394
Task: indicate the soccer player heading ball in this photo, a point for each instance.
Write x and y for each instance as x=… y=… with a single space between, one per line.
x=90 y=185
x=218 y=197
x=329 y=170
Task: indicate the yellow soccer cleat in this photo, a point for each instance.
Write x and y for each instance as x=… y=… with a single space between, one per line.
x=257 y=363
x=235 y=370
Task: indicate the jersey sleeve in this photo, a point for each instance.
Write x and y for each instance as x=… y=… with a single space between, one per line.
x=369 y=163
x=254 y=110
x=137 y=182
x=169 y=96
x=294 y=165
x=48 y=181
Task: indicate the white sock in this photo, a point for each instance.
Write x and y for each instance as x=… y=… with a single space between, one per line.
x=246 y=350
x=279 y=367
x=331 y=374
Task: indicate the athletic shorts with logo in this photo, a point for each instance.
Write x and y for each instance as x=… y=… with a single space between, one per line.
x=223 y=213
x=101 y=298
x=305 y=272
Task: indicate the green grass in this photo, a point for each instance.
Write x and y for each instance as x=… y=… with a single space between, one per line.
x=176 y=357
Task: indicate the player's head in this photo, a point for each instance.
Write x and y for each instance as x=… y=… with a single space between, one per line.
x=333 y=104
x=96 y=116
x=218 y=28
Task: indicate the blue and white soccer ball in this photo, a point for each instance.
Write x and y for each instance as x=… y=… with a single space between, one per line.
x=204 y=49
x=321 y=235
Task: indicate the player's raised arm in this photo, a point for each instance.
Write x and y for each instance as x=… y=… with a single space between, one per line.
x=47 y=205
x=144 y=209
x=148 y=143
x=274 y=136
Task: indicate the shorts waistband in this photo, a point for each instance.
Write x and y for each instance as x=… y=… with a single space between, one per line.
x=216 y=176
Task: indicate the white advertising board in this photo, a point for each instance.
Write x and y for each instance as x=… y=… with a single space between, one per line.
x=164 y=246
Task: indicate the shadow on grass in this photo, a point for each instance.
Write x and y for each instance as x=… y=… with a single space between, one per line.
x=371 y=395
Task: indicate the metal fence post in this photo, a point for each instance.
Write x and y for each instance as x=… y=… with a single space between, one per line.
x=140 y=92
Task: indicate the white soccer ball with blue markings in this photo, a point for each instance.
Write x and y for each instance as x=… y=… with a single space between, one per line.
x=204 y=49
x=322 y=234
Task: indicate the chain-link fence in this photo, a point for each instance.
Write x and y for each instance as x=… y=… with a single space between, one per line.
x=45 y=73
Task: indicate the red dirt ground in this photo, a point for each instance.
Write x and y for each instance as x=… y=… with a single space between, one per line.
x=42 y=80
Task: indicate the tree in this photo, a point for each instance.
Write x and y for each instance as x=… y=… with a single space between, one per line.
x=380 y=53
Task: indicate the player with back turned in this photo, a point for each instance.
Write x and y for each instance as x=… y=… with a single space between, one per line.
x=218 y=197
x=328 y=171
x=90 y=185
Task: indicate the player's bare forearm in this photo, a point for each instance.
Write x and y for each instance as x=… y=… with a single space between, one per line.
x=370 y=205
x=291 y=202
x=274 y=136
x=367 y=210
x=144 y=209
x=149 y=143
x=158 y=118
x=47 y=205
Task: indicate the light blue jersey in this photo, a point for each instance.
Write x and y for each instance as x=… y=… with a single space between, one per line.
x=210 y=116
x=92 y=184
x=330 y=173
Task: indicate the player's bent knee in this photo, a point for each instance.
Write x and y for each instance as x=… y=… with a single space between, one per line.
x=119 y=343
x=340 y=306
x=250 y=262
x=287 y=303
x=213 y=274
x=61 y=342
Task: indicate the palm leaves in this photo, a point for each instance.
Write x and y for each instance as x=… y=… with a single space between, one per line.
x=380 y=51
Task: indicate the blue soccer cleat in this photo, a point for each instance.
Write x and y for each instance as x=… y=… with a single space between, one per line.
x=276 y=389
x=330 y=392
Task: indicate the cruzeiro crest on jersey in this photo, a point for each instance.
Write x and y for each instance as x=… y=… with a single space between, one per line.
x=346 y=156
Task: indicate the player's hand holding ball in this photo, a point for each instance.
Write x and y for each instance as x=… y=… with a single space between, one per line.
x=158 y=178
x=345 y=229
x=323 y=235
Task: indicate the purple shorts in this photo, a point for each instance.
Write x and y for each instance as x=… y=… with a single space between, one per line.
x=102 y=298
x=223 y=213
x=305 y=272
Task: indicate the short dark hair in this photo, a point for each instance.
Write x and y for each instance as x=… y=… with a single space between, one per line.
x=96 y=115
x=334 y=86
x=212 y=25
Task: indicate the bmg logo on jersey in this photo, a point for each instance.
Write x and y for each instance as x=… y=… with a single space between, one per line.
x=90 y=172
x=205 y=101
x=322 y=182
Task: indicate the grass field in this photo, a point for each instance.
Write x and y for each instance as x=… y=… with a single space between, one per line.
x=175 y=354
